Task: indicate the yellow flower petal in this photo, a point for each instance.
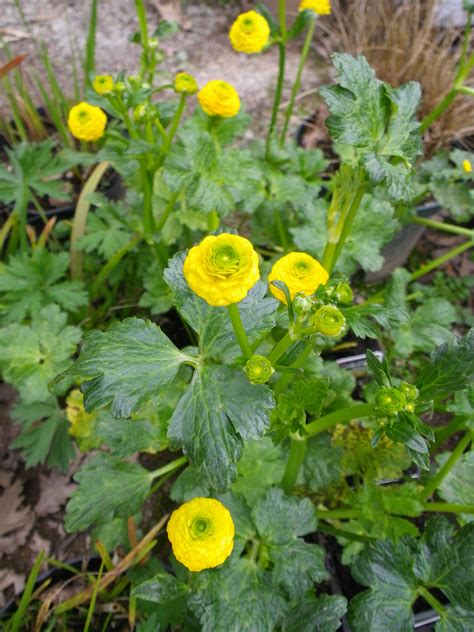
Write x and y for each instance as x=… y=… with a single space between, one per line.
x=86 y=122
x=300 y=272
x=249 y=33
x=321 y=7
x=222 y=269
x=219 y=98
x=201 y=533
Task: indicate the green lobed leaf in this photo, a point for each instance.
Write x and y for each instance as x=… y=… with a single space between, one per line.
x=262 y=465
x=125 y=366
x=30 y=282
x=380 y=121
x=450 y=370
x=44 y=437
x=219 y=411
x=108 y=487
x=239 y=596
x=457 y=487
x=126 y=436
x=316 y=614
x=322 y=463
x=31 y=355
x=161 y=588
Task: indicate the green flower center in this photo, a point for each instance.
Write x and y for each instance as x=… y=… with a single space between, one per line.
x=201 y=527
x=225 y=260
x=301 y=268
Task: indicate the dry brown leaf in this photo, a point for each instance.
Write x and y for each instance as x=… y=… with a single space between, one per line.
x=13 y=516
x=55 y=490
x=10 y=578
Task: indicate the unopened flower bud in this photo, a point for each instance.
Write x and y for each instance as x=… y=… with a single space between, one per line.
x=152 y=42
x=258 y=369
x=389 y=401
x=410 y=407
x=119 y=86
x=409 y=390
x=329 y=321
x=342 y=293
x=302 y=304
x=139 y=113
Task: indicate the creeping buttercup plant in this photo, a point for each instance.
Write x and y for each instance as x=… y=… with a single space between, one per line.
x=278 y=454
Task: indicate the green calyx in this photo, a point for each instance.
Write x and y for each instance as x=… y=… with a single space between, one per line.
x=302 y=304
x=342 y=293
x=258 y=369
x=390 y=401
x=329 y=321
x=409 y=390
x=201 y=527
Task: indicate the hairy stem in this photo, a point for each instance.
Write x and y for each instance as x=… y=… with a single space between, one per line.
x=338 y=417
x=294 y=463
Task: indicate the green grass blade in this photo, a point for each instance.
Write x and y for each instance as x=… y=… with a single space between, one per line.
x=89 y=53
x=18 y=619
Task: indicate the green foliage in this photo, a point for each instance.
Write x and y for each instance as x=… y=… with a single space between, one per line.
x=451 y=368
x=446 y=180
x=395 y=572
x=316 y=614
x=376 y=119
x=30 y=282
x=107 y=230
x=31 y=355
x=38 y=168
x=162 y=588
x=125 y=366
x=457 y=486
x=219 y=411
x=108 y=487
x=374 y=226
x=44 y=434
x=302 y=397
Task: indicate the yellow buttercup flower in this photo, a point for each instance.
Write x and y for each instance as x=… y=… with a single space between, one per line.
x=86 y=122
x=185 y=83
x=201 y=533
x=249 y=33
x=321 y=7
x=300 y=272
x=467 y=166
x=222 y=269
x=219 y=98
x=103 y=84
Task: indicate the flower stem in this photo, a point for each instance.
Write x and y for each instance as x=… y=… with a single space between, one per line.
x=449 y=508
x=280 y=348
x=278 y=93
x=213 y=221
x=456 y=424
x=294 y=463
x=448 y=228
x=347 y=226
x=175 y=122
x=299 y=73
x=337 y=514
x=112 y=263
x=431 y=600
x=239 y=330
x=455 y=455
x=339 y=416
x=440 y=260
x=169 y=467
x=285 y=379
x=282 y=236
x=147 y=184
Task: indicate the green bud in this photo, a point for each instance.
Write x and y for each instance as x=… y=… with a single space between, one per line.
x=410 y=407
x=119 y=86
x=152 y=42
x=302 y=304
x=389 y=401
x=329 y=321
x=258 y=369
x=146 y=85
x=410 y=391
x=139 y=113
x=342 y=293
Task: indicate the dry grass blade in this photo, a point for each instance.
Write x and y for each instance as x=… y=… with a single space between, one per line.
x=9 y=66
x=405 y=42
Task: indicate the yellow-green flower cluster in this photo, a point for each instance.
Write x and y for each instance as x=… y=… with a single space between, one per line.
x=87 y=122
x=201 y=533
x=185 y=83
x=249 y=33
x=103 y=84
x=222 y=269
x=329 y=321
